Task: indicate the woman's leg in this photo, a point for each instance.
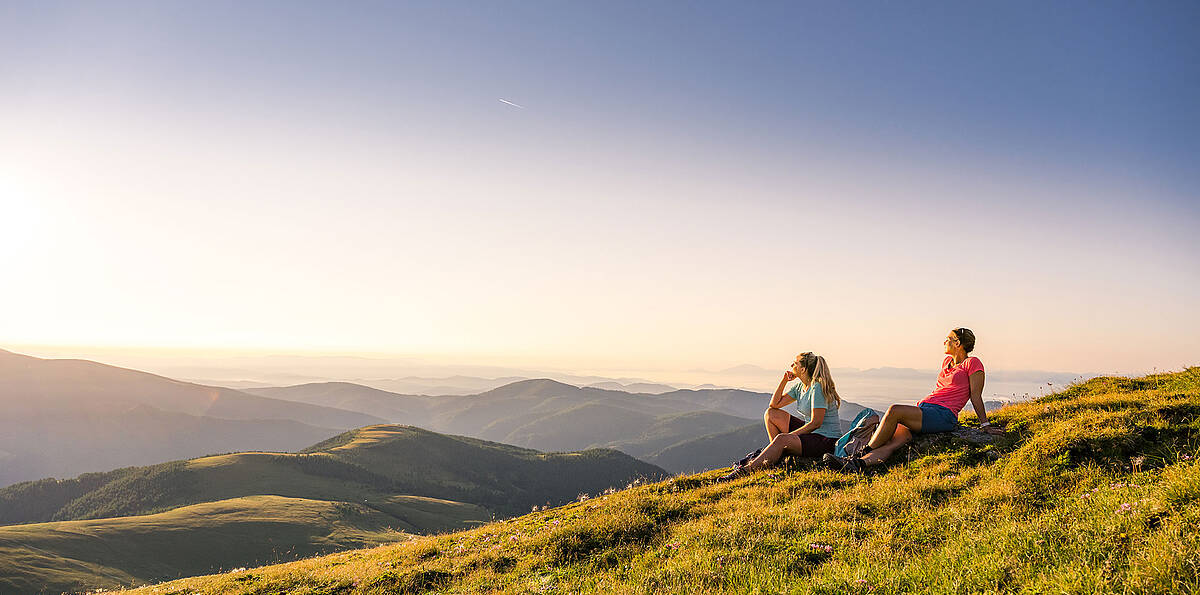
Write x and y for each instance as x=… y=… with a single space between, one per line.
x=780 y=445
x=777 y=421
x=909 y=415
x=900 y=437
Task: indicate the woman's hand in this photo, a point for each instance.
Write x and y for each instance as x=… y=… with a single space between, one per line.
x=993 y=429
x=779 y=399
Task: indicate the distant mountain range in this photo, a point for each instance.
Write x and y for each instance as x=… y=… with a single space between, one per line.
x=364 y=487
x=414 y=375
x=65 y=417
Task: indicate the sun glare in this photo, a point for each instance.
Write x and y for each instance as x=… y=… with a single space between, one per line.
x=21 y=217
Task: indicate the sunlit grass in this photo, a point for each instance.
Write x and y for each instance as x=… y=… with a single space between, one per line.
x=1097 y=489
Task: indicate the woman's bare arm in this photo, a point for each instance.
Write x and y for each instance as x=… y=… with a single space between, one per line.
x=779 y=400
x=977 y=402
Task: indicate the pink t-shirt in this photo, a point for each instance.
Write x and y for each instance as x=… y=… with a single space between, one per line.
x=953 y=388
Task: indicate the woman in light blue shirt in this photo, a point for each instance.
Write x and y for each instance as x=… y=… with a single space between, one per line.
x=816 y=397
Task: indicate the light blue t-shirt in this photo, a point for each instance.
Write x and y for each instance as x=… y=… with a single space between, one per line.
x=814 y=397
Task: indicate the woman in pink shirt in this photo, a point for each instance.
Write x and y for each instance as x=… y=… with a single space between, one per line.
x=960 y=380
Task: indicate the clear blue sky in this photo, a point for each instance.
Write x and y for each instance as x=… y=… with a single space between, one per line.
x=685 y=183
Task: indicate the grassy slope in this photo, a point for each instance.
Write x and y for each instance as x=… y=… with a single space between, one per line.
x=203 y=538
x=1065 y=504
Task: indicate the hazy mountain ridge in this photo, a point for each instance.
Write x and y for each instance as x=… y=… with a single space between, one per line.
x=666 y=431
x=65 y=417
x=547 y=415
x=34 y=383
x=408 y=375
x=712 y=451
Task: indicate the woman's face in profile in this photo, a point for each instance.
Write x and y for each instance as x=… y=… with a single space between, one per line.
x=951 y=343
x=798 y=370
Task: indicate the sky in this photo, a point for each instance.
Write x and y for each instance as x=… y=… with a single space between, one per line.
x=606 y=186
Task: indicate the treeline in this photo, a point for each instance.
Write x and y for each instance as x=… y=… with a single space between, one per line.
x=146 y=490
x=91 y=495
x=38 y=501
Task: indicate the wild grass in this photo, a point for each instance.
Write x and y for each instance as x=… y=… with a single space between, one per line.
x=1096 y=490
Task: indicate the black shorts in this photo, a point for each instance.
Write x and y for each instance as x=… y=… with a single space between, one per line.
x=814 y=445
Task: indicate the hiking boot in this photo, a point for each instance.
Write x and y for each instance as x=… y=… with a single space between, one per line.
x=853 y=465
x=737 y=473
x=843 y=464
x=833 y=461
x=742 y=462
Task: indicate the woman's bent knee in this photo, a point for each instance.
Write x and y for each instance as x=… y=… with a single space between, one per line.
x=787 y=440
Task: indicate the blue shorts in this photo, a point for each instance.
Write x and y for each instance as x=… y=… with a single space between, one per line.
x=936 y=418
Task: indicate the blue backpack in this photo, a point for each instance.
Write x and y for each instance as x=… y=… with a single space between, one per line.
x=861 y=429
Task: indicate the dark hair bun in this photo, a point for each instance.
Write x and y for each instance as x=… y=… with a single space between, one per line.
x=966 y=337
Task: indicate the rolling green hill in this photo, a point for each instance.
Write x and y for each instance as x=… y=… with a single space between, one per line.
x=370 y=465
x=209 y=537
x=359 y=488
x=1095 y=489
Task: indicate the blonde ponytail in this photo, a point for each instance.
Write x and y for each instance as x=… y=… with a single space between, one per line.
x=818 y=371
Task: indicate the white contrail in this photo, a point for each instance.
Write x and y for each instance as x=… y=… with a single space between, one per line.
x=512 y=104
